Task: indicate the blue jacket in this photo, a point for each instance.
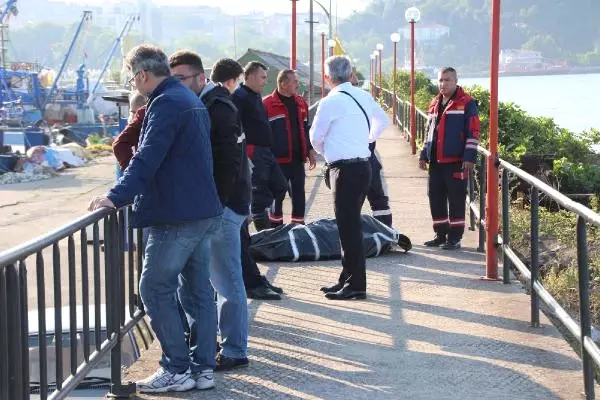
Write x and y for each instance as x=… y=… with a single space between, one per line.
x=170 y=178
x=457 y=133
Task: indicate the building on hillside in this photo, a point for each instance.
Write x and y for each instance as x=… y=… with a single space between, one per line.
x=276 y=63
x=520 y=60
x=425 y=32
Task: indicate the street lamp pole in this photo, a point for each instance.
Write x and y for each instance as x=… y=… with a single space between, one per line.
x=322 y=64
x=293 y=44
x=375 y=64
x=491 y=207
x=328 y=14
x=395 y=38
x=372 y=74
x=412 y=16
x=379 y=50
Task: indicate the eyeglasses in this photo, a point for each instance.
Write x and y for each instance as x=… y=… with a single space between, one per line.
x=130 y=81
x=184 y=77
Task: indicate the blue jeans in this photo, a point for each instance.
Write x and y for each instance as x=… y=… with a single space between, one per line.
x=177 y=264
x=226 y=278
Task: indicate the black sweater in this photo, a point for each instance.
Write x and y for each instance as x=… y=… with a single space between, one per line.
x=230 y=164
x=253 y=115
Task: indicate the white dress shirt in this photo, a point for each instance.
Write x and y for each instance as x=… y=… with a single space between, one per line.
x=340 y=131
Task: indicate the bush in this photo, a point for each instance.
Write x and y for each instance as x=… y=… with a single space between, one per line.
x=576 y=166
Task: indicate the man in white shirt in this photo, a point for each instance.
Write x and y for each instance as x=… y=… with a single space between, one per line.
x=347 y=120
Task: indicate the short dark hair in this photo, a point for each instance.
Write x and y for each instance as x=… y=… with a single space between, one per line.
x=284 y=75
x=147 y=57
x=449 y=69
x=225 y=69
x=187 y=57
x=252 y=67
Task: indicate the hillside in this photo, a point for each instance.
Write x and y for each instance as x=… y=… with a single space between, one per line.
x=558 y=29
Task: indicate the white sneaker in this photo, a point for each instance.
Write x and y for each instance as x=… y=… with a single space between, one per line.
x=164 y=381
x=204 y=380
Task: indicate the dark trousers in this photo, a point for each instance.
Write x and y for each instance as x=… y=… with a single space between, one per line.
x=250 y=271
x=447 y=188
x=295 y=176
x=378 y=201
x=349 y=185
x=268 y=183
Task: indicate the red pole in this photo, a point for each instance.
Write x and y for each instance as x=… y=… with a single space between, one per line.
x=322 y=64
x=293 y=59
x=413 y=110
x=491 y=206
x=394 y=87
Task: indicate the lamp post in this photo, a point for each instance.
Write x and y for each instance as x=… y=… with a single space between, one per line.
x=375 y=64
x=491 y=207
x=293 y=43
x=395 y=38
x=327 y=14
x=379 y=48
x=331 y=45
x=412 y=15
x=322 y=64
x=372 y=75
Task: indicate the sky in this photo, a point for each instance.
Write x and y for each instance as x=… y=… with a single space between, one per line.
x=345 y=7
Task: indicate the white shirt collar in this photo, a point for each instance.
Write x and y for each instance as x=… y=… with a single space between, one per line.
x=342 y=86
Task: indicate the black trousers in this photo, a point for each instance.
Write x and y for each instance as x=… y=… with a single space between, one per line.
x=447 y=188
x=250 y=271
x=296 y=177
x=349 y=185
x=268 y=183
x=378 y=201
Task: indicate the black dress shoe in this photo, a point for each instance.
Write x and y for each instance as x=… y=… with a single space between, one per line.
x=332 y=289
x=347 y=293
x=438 y=240
x=227 y=363
x=451 y=245
x=271 y=286
x=262 y=292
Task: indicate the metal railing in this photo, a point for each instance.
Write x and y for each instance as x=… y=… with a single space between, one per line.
x=590 y=352
x=92 y=277
x=402 y=114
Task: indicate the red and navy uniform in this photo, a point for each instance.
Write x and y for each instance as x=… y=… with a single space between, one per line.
x=288 y=117
x=452 y=138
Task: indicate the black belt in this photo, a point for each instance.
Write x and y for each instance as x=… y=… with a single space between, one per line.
x=339 y=163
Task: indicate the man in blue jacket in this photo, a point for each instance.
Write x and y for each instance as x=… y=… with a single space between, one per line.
x=170 y=181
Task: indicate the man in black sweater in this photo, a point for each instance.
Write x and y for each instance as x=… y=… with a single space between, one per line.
x=268 y=182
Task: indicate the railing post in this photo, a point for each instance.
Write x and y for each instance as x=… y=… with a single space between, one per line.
x=584 y=306
x=15 y=281
x=505 y=226
x=4 y=346
x=535 y=225
x=115 y=241
x=482 y=189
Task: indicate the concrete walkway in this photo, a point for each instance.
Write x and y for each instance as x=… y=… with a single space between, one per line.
x=430 y=328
